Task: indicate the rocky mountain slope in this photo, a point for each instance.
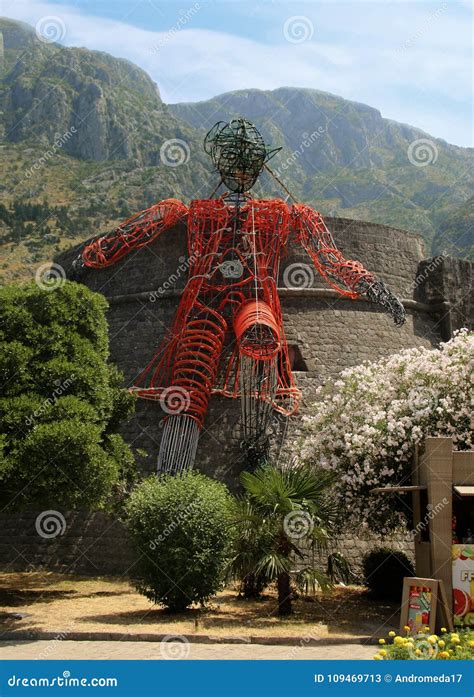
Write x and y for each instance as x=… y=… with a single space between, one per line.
x=114 y=106
x=345 y=158
x=85 y=140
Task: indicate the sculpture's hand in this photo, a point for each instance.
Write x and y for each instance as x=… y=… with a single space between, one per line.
x=76 y=271
x=377 y=292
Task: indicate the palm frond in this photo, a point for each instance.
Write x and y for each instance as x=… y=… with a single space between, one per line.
x=272 y=564
x=339 y=569
x=311 y=580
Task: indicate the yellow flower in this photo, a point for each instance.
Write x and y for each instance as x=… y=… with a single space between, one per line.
x=417 y=652
x=382 y=652
x=441 y=644
x=444 y=654
x=392 y=634
x=406 y=628
x=425 y=628
x=377 y=657
x=471 y=644
x=381 y=641
x=455 y=640
x=444 y=630
x=432 y=639
x=399 y=640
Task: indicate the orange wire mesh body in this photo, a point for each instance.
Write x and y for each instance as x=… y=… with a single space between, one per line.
x=255 y=315
x=139 y=230
x=230 y=306
x=311 y=231
x=196 y=362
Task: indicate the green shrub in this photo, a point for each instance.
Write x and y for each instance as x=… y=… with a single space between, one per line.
x=180 y=526
x=61 y=401
x=384 y=570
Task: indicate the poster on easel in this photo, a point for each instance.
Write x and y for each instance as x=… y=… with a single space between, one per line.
x=419 y=607
x=424 y=602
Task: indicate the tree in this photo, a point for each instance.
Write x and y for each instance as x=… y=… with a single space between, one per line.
x=180 y=527
x=281 y=509
x=61 y=401
x=364 y=425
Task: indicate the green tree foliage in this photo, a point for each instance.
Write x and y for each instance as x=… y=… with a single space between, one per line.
x=27 y=221
x=61 y=401
x=180 y=526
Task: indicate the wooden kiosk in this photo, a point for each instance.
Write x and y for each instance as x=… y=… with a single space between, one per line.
x=442 y=491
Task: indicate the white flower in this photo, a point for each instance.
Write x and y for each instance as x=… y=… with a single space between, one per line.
x=364 y=424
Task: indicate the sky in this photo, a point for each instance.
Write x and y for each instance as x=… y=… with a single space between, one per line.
x=410 y=59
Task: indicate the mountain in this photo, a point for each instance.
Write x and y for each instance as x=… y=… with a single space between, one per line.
x=113 y=106
x=85 y=140
x=346 y=159
x=81 y=137
x=455 y=225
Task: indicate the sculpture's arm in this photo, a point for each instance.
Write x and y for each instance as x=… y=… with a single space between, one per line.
x=348 y=277
x=138 y=231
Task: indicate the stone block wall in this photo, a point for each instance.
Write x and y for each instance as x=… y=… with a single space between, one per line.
x=332 y=333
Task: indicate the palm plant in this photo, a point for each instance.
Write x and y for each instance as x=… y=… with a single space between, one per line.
x=281 y=509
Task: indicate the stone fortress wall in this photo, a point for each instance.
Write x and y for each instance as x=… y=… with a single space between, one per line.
x=328 y=331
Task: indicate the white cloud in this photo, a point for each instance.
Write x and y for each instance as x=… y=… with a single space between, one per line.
x=398 y=50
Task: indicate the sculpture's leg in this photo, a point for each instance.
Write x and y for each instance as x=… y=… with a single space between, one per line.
x=178 y=444
x=258 y=334
x=193 y=376
x=258 y=386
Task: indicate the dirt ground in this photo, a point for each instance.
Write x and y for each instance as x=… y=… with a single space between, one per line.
x=63 y=603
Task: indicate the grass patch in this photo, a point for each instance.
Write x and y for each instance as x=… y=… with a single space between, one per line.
x=50 y=601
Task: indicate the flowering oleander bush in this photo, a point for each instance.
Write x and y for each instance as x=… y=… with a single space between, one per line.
x=448 y=646
x=364 y=424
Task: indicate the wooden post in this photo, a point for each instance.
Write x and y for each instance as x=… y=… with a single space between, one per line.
x=421 y=548
x=437 y=470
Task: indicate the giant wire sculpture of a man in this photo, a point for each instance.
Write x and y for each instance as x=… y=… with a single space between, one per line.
x=228 y=336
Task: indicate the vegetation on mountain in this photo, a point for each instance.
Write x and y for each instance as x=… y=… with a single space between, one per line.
x=87 y=137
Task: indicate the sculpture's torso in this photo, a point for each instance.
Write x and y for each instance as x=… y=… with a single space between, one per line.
x=235 y=249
